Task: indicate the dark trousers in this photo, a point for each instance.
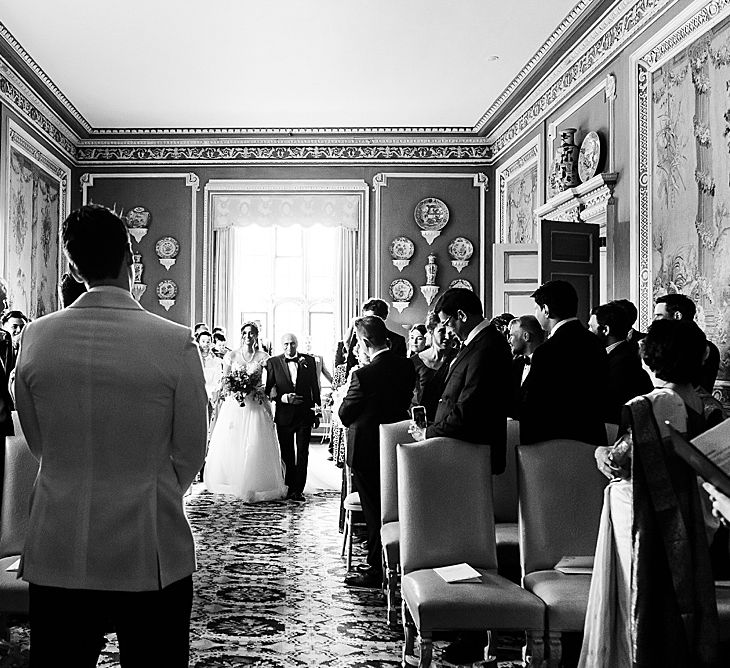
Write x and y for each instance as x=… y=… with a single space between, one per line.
x=67 y=626
x=295 y=476
x=368 y=486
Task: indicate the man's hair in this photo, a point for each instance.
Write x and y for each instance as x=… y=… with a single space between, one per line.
x=14 y=314
x=252 y=325
x=560 y=298
x=377 y=306
x=199 y=335
x=95 y=240
x=70 y=290
x=679 y=303
x=459 y=299
x=373 y=329
x=631 y=312
x=530 y=324
x=615 y=316
x=674 y=350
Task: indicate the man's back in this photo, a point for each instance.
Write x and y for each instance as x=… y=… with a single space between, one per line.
x=626 y=379
x=112 y=400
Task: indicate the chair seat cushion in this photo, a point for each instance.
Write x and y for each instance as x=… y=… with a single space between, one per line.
x=723 y=611
x=492 y=603
x=565 y=596
x=13 y=592
x=352 y=502
x=390 y=538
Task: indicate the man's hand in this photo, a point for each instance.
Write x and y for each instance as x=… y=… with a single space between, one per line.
x=418 y=433
x=720 y=503
x=291 y=398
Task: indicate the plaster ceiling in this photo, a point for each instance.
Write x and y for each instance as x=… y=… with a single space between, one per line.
x=283 y=63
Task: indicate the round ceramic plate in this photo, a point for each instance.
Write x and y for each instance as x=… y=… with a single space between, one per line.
x=402 y=248
x=401 y=290
x=461 y=283
x=138 y=217
x=590 y=155
x=167 y=247
x=431 y=214
x=166 y=289
x=461 y=249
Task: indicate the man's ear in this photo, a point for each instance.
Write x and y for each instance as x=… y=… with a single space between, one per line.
x=677 y=315
x=461 y=315
x=606 y=329
x=75 y=273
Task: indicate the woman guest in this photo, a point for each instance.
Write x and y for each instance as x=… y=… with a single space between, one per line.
x=432 y=367
x=417 y=339
x=652 y=596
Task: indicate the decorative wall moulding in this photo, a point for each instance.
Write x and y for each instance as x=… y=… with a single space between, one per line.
x=584 y=203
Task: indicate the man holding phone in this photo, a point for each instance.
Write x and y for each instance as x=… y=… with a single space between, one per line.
x=379 y=393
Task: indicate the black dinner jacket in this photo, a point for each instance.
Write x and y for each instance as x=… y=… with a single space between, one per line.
x=397 y=346
x=379 y=393
x=518 y=366
x=475 y=401
x=563 y=396
x=279 y=378
x=710 y=367
x=626 y=379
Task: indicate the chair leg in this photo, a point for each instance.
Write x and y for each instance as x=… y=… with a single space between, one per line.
x=425 y=645
x=345 y=532
x=392 y=585
x=555 y=649
x=349 y=544
x=409 y=633
x=534 y=651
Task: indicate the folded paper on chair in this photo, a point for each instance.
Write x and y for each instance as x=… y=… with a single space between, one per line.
x=14 y=566
x=575 y=565
x=458 y=573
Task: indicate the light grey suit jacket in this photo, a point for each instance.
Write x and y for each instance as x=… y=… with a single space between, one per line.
x=112 y=402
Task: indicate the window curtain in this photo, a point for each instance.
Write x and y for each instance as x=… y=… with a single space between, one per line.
x=346 y=302
x=224 y=258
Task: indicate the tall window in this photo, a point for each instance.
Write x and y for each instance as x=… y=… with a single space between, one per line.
x=285 y=277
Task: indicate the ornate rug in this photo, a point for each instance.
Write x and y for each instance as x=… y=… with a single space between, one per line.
x=269 y=592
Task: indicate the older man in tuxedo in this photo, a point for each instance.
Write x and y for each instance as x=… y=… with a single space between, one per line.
x=379 y=392
x=292 y=380
x=118 y=422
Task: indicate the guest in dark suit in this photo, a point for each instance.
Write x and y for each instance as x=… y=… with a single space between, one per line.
x=292 y=377
x=379 y=393
x=626 y=377
x=525 y=335
x=634 y=335
x=397 y=342
x=680 y=307
x=473 y=406
x=563 y=395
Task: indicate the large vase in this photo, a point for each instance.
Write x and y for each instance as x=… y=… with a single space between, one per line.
x=569 y=153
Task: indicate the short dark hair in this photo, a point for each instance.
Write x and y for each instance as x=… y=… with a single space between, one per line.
x=459 y=299
x=70 y=290
x=560 y=298
x=678 y=303
x=615 y=316
x=529 y=323
x=14 y=314
x=199 y=335
x=95 y=240
x=219 y=336
x=252 y=325
x=372 y=328
x=627 y=305
x=377 y=306
x=674 y=350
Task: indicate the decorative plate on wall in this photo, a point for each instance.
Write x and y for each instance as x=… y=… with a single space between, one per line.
x=167 y=289
x=138 y=217
x=401 y=290
x=461 y=283
x=167 y=247
x=589 y=156
x=402 y=248
x=431 y=214
x=461 y=249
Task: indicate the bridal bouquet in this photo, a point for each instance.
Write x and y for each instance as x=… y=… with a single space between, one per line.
x=240 y=383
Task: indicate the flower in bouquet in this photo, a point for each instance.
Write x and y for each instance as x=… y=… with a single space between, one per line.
x=241 y=383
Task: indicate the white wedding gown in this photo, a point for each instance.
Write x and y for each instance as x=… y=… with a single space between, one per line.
x=244 y=457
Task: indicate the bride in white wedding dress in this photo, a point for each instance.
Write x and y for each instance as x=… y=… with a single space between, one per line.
x=244 y=457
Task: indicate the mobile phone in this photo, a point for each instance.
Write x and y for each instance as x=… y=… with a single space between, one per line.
x=418 y=413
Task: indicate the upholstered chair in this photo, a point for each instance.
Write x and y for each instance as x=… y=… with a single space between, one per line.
x=560 y=500
x=446 y=518
x=19 y=475
x=390 y=436
x=505 y=510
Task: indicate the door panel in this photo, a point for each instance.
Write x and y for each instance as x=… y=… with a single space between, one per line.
x=516 y=277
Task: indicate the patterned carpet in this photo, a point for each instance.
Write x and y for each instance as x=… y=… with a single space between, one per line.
x=269 y=592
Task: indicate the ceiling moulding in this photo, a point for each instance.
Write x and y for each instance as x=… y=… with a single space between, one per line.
x=288 y=150
x=622 y=24
x=284 y=132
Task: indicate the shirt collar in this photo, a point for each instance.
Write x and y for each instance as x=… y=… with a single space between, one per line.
x=614 y=345
x=473 y=334
x=108 y=288
x=560 y=324
x=382 y=350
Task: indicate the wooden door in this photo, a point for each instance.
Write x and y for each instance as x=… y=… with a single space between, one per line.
x=570 y=252
x=516 y=277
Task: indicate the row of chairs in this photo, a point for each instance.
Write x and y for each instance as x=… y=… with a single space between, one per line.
x=441 y=506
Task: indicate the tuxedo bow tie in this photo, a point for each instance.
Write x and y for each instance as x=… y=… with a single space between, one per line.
x=526 y=360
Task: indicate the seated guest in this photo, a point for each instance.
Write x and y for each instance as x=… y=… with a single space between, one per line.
x=396 y=342
x=417 y=339
x=626 y=377
x=432 y=366
x=525 y=335
x=680 y=307
x=634 y=335
x=563 y=395
x=652 y=566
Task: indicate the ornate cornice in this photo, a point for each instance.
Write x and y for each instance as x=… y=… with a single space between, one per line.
x=284 y=132
x=601 y=44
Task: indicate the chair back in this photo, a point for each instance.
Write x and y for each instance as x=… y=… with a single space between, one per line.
x=445 y=504
x=561 y=496
x=505 y=484
x=21 y=469
x=390 y=436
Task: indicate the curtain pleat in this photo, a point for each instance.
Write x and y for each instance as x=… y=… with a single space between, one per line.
x=345 y=304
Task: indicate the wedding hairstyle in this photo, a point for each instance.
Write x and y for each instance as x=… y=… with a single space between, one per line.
x=376 y=307
x=677 y=303
x=201 y=334
x=560 y=297
x=674 y=350
x=14 y=314
x=95 y=240
x=252 y=325
x=420 y=328
x=372 y=328
x=459 y=299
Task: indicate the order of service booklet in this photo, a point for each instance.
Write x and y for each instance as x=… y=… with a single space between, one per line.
x=458 y=573
x=575 y=565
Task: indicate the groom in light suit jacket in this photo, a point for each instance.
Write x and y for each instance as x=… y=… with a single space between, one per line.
x=292 y=380
x=112 y=402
